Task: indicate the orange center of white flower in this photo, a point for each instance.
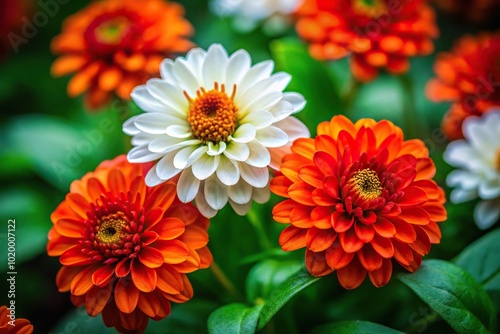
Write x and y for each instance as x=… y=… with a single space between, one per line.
x=367 y=184
x=112 y=31
x=212 y=114
x=497 y=160
x=110 y=230
x=370 y=8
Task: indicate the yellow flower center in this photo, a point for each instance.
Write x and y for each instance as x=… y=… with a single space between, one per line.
x=370 y=8
x=212 y=114
x=110 y=230
x=112 y=31
x=367 y=184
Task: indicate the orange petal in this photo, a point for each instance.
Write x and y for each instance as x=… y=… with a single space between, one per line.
x=292 y=238
x=350 y=242
x=96 y=299
x=58 y=244
x=162 y=196
x=65 y=276
x=414 y=215
x=319 y=240
x=404 y=231
x=67 y=64
x=149 y=303
x=383 y=275
x=78 y=204
x=169 y=280
x=423 y=244
x=436 y=211
x=75 y=257
x=383 y=246
x=301 y=192
x=413 y=196
x=110 y=78
x=194 y=237
x=402 y=253
x=174 y=251
x=309 y=174
x=384 y=228
x=337 y=258
x=103 y=275
x=369 y=259
x=364 y=232
x=433 y=232
x=325 y=162
x=150 y=257
x=82 y=282
x=126 y=295
x=351 y=276
x=316 y=263
x=123 y=267
x=340 y=222
x=83 y=79
x=144 y=278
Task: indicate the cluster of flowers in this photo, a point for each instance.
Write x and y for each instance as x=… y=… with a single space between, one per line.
x=216 y=130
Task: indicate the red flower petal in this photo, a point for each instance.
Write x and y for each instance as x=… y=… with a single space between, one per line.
x=150 y=257
x=96 y=299
x=149 y=303
x=369 y=259
x=144 y=278
x=292 y=238
x=414 y=215
x=404 y=231
x=412 y=196
x=433 y=232
x=341 y=222
x=323 y=198
x=402 y=253
x=153 y=216
x=320 y=217
x=82 y=282
x=351 y=276
x=300 y=216
x=123 y=267
x=163 y=196
x=331 y=185
x=325 y=143
x=365 y=233
x=78 y=204
x=325 y=162
x=350 y=242
x=337 y=258
x=169 y=280
x=301 y=192
x=422 y=245
x=174 y=251
x=383 y=246
x=316 y=263
x=103 y=275
x=436 y=211
x=319 y=240
x=309 y=174
x=74 y=257
x=383 y=275
x=117 y=182
x=384 y=228
x=95 y=188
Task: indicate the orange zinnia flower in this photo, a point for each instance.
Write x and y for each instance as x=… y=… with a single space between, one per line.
x=126 y=248
x=469 y=76
x=358 y=197
x=115 y=45
x=378 y=34
x=22 y=326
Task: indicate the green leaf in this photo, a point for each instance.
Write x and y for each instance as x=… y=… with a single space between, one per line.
x=78 y=321
x=355 y=326
x=309 y=77
x=454 y=295
x=265 y=276
x=235 y=319
x=283 y=294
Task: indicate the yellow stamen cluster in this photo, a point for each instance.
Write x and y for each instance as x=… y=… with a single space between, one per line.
x=366 y=184
x=212 y=114
x=110 y=230
x=112 y=31
x=370 y=8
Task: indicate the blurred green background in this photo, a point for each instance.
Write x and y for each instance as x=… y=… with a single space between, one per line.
x=47 y=140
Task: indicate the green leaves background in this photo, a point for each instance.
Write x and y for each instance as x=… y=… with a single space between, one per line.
x=47 y=140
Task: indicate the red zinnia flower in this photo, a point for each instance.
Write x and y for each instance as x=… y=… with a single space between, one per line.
x=126 y=248
x=379 y=34
x=115 y=45
x=22 y=326
x=358 y=197
x=469 y=76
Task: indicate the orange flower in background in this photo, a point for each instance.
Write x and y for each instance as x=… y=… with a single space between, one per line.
x=477 y=11
x=22 y=326
x=468 y=76
x=115 y=45
x=126 y=248
x=377 y=34
x=359 y=196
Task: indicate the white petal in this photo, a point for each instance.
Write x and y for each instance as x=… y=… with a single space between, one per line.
x=216 y=149
x=281 y=110
x=256 y=92
x=237 y=151
x=188 y=155
x=487 y=213
x=163 y=143
x=146 y=101
x=259 y=155
x=476 y=132
x=186 y=78
x=129 y=127
x=205 y=166
x=277 y=155
x=258 y=72
x=266 y=102
x=167 y=69
x=202 y=204
x=460 y=154
x=281 y=80
x=228 y=172
x=464 y=179
x=241 y=209
x=143 y=138
x=195 y=58
x=152 y=178
x=272 y=137
x=238 y=64
x=256 y=177
x=294 y=128
x=187 y=186
x=141 y=154
x=179 y=131
x=215 y=193
x=489 y=189
x=459 y=195
x=259 y=119
x=155 y=123
x=165 y=167
x=244 y=133
x=296 y=99
x=214 y=68
x=261 y=195
x=240 y=193
x=169 y=95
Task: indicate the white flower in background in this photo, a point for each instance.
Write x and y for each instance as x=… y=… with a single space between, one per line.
x=249 y=13
x=218 y=122
x=478 y=157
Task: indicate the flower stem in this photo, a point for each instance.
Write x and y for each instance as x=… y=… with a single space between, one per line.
x=256 y=222
x=222 y=278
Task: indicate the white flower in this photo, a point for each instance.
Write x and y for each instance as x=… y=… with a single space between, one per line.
x=478 y=157
x=248 y=13
x=218 y=122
